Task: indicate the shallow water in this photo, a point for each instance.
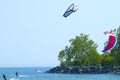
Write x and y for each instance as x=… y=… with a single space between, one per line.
x=38 y=74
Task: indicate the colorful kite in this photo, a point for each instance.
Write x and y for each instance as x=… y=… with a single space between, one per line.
x=72 y=8
x=111 y=43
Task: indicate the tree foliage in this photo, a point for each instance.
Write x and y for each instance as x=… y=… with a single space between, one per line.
x=81 y=52
x=115 y=52
x=106 y=60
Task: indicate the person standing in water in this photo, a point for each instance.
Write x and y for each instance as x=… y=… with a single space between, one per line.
x=16 y=74
x=4 y=77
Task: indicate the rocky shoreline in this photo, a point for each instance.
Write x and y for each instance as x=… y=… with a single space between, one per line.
x=84 y=70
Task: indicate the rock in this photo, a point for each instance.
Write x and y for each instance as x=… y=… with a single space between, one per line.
x=83 y=70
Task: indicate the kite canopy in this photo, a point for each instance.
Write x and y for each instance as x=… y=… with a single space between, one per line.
x=72 y=8
x=111 y=43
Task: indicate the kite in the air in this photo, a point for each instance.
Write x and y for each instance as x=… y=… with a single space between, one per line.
x=111 y=43
x=72 y=8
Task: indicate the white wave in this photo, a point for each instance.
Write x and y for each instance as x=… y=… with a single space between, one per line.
x=13 y=79
x=38 y=71
x=23 y=76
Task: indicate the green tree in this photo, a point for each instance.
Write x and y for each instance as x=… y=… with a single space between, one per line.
x=106 y=60
x=62 y=57
x=93 y=59
x=115 y=52
x=81 y=52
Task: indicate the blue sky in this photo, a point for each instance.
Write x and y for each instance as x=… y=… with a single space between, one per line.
x=32 y=32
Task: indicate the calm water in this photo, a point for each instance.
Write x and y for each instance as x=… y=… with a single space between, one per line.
x=32 y=74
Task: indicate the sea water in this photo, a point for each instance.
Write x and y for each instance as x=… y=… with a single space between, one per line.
x=37 y=73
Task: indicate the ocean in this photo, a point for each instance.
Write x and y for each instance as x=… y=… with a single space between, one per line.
x=37 y=73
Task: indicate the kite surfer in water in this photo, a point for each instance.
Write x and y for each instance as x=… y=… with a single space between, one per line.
x=16 y=74
x=4 y=77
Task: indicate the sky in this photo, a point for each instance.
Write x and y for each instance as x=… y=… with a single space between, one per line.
x=32 y=32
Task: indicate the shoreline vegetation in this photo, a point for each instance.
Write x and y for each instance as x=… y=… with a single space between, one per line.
x=81 y=56
x=84 y=70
